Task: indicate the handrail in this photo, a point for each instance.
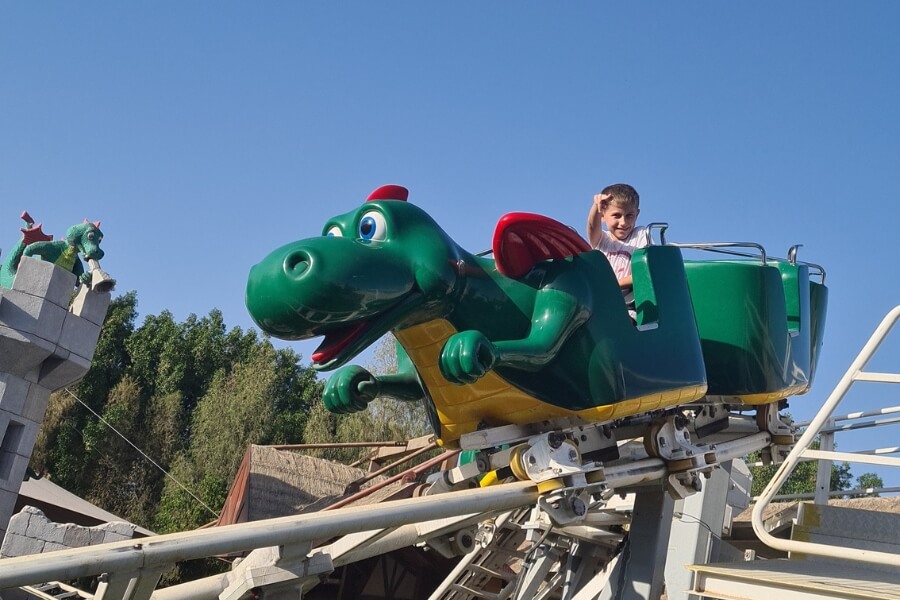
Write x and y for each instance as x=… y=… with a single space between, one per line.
x=822 y=421
x=815 y=267
x=855 y=493
x=662 y=227
x=719 y=247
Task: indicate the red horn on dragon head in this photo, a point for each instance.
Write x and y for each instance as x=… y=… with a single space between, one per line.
x=389 y=192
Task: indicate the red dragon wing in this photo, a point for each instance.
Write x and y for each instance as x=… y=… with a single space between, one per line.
x=34 y=234
x=521 y=240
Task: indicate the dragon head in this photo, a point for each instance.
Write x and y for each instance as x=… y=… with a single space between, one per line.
x=86 y=237
x=385 y=265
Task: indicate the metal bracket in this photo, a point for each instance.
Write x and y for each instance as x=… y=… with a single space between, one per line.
x=550 y=456
x=565 y=507
x=458 y=478
x=670 y=440
x=709 y=419
x=783 y=434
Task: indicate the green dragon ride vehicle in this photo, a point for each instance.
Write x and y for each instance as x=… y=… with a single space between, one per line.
x=538 y=332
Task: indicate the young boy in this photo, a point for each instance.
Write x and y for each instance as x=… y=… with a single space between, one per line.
x=618 y=207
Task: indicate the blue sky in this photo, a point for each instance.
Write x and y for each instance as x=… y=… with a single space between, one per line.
x=205 y=134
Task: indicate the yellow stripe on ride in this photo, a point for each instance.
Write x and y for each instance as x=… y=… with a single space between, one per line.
x=493 y=401
x=769 y=397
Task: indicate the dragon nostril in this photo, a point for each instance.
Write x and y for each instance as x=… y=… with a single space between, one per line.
x=296 y=264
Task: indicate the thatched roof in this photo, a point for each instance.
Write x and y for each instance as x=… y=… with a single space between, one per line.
x=879 y=504
x=275 y=483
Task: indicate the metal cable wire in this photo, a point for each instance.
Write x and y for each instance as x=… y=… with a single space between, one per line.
x=142 y=453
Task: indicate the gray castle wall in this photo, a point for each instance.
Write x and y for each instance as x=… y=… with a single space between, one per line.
x=47 y=341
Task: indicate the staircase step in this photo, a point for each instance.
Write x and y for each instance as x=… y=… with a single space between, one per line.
x=473 y=592
x=493 y=573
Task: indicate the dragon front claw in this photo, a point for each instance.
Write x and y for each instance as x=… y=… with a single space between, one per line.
x=467 y=357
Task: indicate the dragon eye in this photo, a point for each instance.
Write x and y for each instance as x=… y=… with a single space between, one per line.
x=372 y=226
x=90 y=235
x=334 y=231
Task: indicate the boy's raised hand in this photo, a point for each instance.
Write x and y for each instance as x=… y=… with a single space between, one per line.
x=599 y=199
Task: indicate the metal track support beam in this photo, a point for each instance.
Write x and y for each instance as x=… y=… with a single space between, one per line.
x=696 y=532
x=639 y=572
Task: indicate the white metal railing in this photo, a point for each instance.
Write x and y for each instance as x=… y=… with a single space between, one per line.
x=839 y=424
x=824 y=426
x=853 y=493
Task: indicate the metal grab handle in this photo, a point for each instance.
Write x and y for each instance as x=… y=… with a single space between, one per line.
x=792 y=258
x=662 y=232
x=717 y=247
x=818 y=268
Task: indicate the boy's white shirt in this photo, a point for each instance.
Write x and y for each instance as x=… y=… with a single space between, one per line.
x=618 y=253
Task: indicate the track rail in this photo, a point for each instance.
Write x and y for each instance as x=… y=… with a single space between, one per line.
x=132 y=568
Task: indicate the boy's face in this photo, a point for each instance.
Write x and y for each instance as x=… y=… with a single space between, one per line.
x=620 y=220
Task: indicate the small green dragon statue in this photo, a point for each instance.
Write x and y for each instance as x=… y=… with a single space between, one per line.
x=82 y=239
x=539 y=332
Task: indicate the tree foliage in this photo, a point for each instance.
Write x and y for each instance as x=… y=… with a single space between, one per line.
x=868 y=481
x=239 y=404
x=406 y=419
x=803 y=479
x=156 y=430
x=167 y=396
x=383 y=420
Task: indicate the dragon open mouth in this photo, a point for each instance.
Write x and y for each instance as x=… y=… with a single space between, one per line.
x=335 y=342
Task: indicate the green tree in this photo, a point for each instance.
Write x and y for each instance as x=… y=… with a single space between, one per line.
x=406 y=419
x=57 y=435
x=385 y=419
x=111 y=360
x=158 y=355
x=296 y=392
x=147 y=383
x=60 y=447
x=111 y=457
x=868 y=481
x=238 y=409
x=802 y=480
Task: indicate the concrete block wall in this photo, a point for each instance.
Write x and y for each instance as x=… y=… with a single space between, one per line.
x=47 y=341
x=30 y=532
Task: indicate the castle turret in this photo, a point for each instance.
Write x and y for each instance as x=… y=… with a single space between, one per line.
x=47 y=341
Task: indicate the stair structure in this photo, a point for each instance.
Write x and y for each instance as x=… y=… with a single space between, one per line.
x=498 y=547
x=56 y=591
x=833 y=552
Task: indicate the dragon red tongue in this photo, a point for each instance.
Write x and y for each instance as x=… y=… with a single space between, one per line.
x=336 y=341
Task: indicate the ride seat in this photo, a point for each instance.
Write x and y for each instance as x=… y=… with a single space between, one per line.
x=755 y=327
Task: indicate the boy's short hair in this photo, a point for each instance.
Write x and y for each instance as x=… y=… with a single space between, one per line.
x=622 y=194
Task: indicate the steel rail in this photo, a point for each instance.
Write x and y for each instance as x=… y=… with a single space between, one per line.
x=164 y=550
x=159 y=552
